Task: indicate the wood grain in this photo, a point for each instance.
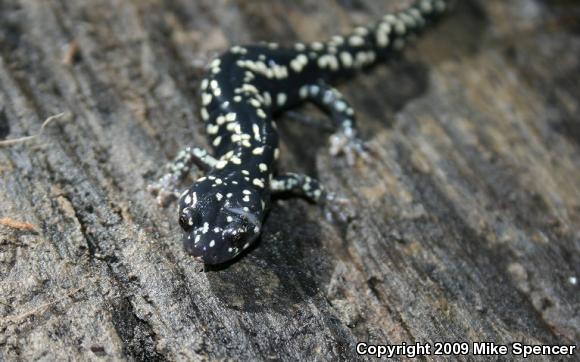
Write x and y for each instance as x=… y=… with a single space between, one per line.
x=467 y=224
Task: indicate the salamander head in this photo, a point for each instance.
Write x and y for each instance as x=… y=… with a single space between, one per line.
x=220 y=219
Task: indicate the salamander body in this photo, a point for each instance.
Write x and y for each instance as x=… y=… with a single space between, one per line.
x=222 y=212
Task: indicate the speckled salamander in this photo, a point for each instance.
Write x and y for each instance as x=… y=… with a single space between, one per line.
x=222 y=212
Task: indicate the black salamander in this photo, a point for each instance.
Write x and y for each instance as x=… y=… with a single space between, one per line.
x=222 y=212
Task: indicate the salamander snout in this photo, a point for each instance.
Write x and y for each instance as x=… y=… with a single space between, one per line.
x=220 y=238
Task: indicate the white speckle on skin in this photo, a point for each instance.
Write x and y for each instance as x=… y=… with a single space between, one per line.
x=204 y=114
x=298 y=63
x=236 y=160
x=230 y=117
x=281 y=99
x=258 y=182
x=362 y=31
x=221 y=164
x=317 y=46
x=356 y=40
x=258 y=151
x=212 y=129
x=340 y=106
x=256 y=130
x=206 y=99
x=346 y=59
x=314 y=89
x=263 y=167
x=256 y=103
x=212 y=243
x=219 y=196
x=328 y=61
x=216 y=63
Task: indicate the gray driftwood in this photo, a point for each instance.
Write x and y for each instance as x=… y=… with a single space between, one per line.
x=467 y=225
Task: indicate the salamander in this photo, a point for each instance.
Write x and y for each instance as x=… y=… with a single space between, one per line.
x=245 y=88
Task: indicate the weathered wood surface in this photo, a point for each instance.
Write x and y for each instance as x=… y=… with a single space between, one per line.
x=467 y=227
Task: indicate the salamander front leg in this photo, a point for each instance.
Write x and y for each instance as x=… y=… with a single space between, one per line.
x=312 y=189
x=166 y=188
x=346 y=140
x=300 y=185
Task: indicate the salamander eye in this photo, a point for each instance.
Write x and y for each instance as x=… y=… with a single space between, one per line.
x=188 y=219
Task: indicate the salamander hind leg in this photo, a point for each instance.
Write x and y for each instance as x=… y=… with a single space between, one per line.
x=345 y=141
x=166 y=188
